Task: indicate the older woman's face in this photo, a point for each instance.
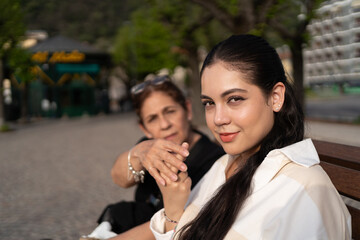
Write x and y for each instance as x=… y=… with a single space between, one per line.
x=164 y=118
x=236 y=111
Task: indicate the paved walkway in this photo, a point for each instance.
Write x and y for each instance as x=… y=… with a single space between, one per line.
x=55 y=175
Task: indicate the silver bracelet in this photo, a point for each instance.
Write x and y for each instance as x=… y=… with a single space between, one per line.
x=168 y=219
x=138 y=175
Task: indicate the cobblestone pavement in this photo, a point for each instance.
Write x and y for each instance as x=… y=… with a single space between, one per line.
x=55 y=175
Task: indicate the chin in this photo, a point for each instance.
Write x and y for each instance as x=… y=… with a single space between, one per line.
x=231 y=150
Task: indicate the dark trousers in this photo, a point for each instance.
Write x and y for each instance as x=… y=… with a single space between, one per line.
x=126 y=215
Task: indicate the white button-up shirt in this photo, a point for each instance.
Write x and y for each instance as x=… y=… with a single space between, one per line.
x=292 y=198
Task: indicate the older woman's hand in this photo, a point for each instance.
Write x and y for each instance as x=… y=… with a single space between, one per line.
x=161 y=156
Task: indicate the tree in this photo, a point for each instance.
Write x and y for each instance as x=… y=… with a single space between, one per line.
x=244 y=16
x=191 y=28
x=92 y=21
x=183 y=27
x=20 y=63
x=293 y=32
x=239 y=16
x=143 y=45
x=11 y=29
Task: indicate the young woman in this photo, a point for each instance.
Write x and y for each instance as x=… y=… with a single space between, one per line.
x=165 y=118
x=270 y=184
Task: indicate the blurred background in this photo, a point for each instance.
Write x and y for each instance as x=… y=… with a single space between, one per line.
x=70 y=58
x=66 y=69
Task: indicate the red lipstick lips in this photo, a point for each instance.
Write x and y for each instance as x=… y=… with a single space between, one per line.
x=228 y=137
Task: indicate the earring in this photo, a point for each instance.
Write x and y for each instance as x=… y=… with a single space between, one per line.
x=278 y=107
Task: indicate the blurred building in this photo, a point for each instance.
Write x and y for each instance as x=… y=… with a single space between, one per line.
x=71 y=77
x=333 y=55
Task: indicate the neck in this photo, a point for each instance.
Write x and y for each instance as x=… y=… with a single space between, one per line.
x=240 y=161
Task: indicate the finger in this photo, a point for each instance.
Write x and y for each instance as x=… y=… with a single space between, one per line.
x=167 y=180
x=175 y=148
x=174 y=161
x=172 y=168
x=179 y=156
x=161 y=152
x=185 y=145
x=182 y=176
x=165 y=169
x=155 y=174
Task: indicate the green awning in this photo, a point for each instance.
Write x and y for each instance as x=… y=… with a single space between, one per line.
x=77 y=68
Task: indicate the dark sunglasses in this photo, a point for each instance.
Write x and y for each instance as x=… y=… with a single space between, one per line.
x=139 y=88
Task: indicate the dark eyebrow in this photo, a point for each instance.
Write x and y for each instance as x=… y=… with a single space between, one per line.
x=204 y=97
x=227 y=92
x=150 y=116
x=233 y=90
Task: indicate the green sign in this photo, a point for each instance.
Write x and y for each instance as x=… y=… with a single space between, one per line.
x=77 y=68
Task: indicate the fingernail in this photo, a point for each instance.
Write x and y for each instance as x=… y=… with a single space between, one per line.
x=186 y=153
x=174 y=177
x=183 y=167
x=162 y=182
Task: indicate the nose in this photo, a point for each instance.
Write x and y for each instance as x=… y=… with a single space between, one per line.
x=164 y=123
x=221 y=116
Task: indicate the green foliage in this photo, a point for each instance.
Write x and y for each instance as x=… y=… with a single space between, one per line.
x=229 y=6
x=144 y=46
x=19 y=61
x=11 y=25
x=5 y=128
x=12 y=29
x=357 y=120
x=293 y=16
x=90 y=21
x=162 y=34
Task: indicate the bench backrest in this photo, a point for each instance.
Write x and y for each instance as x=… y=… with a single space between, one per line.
x=342 y=164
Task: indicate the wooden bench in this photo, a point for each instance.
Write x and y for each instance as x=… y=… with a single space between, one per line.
x=342 y=164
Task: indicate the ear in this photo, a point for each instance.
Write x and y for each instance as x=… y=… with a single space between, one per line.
x=278 y=96
x=189 y=110
x=145 y=131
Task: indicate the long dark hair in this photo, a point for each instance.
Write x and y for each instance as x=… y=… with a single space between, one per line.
x=260 y=62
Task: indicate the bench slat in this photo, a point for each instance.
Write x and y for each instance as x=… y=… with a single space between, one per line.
x=342 y=164
x=344 y=179
x=355 y=222
x=339 y=154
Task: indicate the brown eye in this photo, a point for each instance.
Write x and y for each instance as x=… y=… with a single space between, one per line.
x=207 y=103
x=235 y=99
x=151 y=119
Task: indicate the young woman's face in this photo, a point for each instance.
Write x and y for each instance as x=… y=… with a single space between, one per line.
x=164 y=118
x=236 y=111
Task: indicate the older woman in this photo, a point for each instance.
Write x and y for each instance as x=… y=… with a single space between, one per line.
x=165 y=118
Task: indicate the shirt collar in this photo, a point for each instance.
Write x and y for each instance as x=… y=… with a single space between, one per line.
x=302 y=153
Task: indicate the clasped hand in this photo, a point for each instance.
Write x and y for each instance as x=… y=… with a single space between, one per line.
x=175 y=194
x=159 y=156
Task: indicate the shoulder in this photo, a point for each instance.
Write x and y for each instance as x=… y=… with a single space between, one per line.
x=308 y=177
x=314 y=183
x=310 y=190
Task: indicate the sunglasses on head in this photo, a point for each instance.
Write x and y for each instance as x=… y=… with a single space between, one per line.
x=139 y=88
